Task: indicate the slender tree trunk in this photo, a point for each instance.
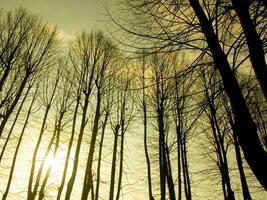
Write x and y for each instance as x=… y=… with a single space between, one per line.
x=230 y=193
x=245 y=127
x=41 y=168
x=4 y=77
x=31 y=195
x=245 y=189
x=14 y=103
x=114 y=158
x=88 y=177
x=179 y=145
x=186 y=171
x=77 y=151
x=58 y=126
x=169 y=175
x=121 y=160
x=178 y=125
x=66 y=164
x=14 y=123
x=17 y=148
x=100 y=156
x=162 y=155
x=149 y=180
x=254 y=43
x=147 y=155
x=221 y=153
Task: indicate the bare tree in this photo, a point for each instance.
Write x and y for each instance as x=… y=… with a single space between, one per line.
x=14 y=29
x=39 y=46
x=15 y=121
x=104 y=63
x=48 y=97
x=220 y=130
x=64 y=104
x=144 y=107
x=18 y=145
x=85 y=55
x=120 y=120
x=77 y=101
x=250 y=143
x=176 y=25
x=107 y=110
x=254 y=43
x=159 y=95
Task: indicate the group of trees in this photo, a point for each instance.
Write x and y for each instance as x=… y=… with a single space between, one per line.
x=50 y=98
x=226 y=43
x=195 y=86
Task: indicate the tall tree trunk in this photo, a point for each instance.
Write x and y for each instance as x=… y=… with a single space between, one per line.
x=179 y=168
x=178 y=128
x=147 y=155
x=162 y=155
x=254 y=43
x=58 y=126
x=244 y=125
x=220 y=151
x=245 y=189
x=230 y=192
x=17 y=148
x=88 y=177
x=169 y=175
x=113 y=166
x=121 y=160
x=31 y=196
x=41 y=168
x=66 y=164
x=77 y=151
x=32 y=193
x=14 y=123
x=100 y=155
x=185 y=167
x=149 y=180
x=4 y=77
x=13 y=104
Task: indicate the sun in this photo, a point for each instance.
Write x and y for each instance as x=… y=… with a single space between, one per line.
x=55 y=162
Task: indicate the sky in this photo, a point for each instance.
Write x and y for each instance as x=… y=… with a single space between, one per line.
x=71 y=16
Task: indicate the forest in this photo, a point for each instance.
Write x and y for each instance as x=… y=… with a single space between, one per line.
x=170 y=102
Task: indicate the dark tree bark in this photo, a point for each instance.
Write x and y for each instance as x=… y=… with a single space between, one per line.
x=243 y=180
x=77 y=150
x=144 y=104
x=14 y=122
x=256 y=52
x=113 y=166
x=85 y=58
x=13 y=104
x=88 y=177
x=244 y=125
x=57 y=130
x=18 y=146
x=66 y=164
x=100 y=155
x=122 y=136
x=32 y=192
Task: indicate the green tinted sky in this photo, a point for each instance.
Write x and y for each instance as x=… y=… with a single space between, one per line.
x=69 y=15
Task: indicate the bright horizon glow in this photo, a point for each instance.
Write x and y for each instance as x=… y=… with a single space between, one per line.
x=55 y=163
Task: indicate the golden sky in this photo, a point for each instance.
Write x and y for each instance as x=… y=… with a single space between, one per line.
x=70 y=16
